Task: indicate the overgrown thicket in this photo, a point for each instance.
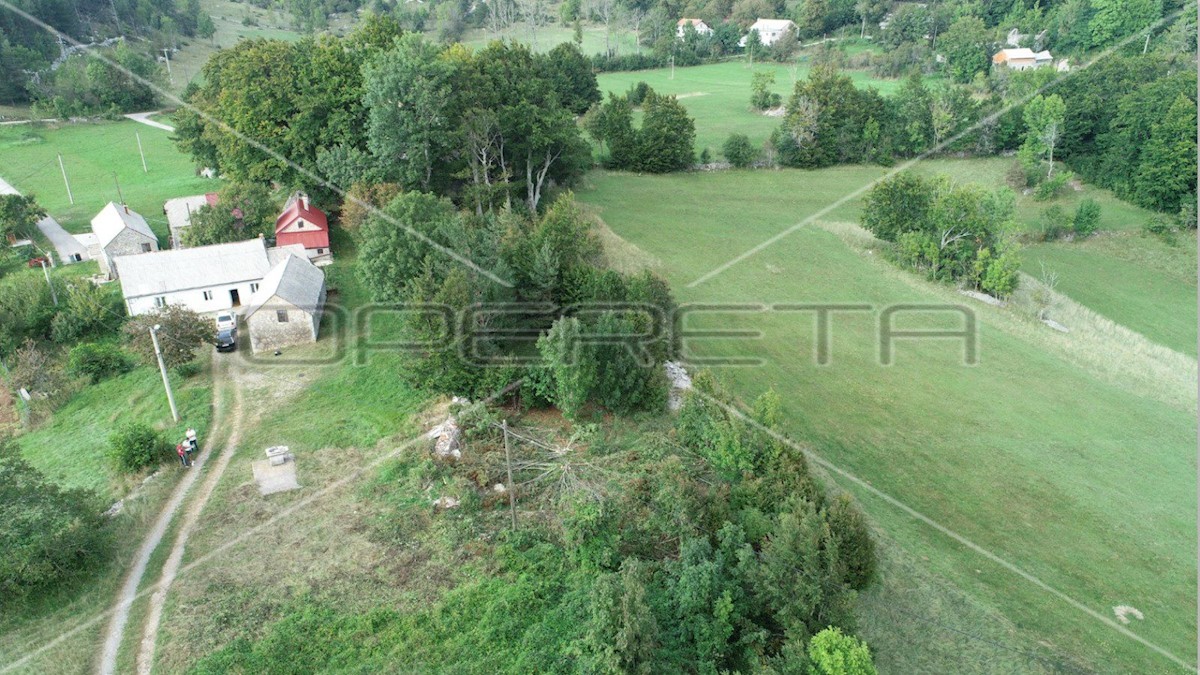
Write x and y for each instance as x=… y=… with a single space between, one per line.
x=559 y=288
x=48 y=535
x=708 y=549
x=52 y=351
x=949 y=232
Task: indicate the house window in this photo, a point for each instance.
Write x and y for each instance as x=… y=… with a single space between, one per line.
x=145 y=248
x=281 y=315
x=299 y=224
x=208 y=295
x=253 y=288
x=160 y=301
x=320 y=251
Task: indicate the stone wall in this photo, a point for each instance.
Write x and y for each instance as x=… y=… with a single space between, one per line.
x=267 y=332
x=127 y=242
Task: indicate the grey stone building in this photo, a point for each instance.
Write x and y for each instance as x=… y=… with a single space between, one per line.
x=286 y=308
x=120 y=231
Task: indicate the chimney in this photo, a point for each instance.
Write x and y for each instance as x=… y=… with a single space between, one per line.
x=304 y=200
x=126 y=207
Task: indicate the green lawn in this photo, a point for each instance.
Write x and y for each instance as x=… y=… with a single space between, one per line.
x=549 y=37
x=92 y=155
x=1081 y=475
x=71 y=447
x=718 y=95
x=1133 y=279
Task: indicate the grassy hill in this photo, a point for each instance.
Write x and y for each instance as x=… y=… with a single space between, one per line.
x=1075 y=467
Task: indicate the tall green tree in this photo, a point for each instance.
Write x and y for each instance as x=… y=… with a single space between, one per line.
x=1167 y=169
x=19 y=214
x=1044 y=118
x=966 y=48
x=412 y=119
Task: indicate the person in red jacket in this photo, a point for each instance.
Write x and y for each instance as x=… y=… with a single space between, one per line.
x=183 y=459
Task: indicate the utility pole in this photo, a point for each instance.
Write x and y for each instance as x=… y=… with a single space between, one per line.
x=118 y=184
x=1147 y=45
x=672 y=66
x=53 y=293
x=167 y=56
x=512 y=504
x=162 y=368
x=143 y=154
x=67 y=182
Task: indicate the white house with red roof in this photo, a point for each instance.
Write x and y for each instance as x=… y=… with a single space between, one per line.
x=304 y=224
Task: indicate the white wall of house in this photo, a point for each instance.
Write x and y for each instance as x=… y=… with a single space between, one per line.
x=202 y=300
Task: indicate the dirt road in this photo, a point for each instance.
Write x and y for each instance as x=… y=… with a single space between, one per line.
x=129 y=590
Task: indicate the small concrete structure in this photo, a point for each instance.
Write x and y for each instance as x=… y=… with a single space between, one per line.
x=286 y=309
x=276 y=473
x=120 y=232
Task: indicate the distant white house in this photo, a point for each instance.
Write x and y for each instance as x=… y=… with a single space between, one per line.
x=204 y=279
x=769 y=30
x=179 y=213
x=286 y=309
x=119 y=231
x=701 y=27
x=1022 y=58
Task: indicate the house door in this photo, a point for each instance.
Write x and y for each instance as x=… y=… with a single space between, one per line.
x=233 y=298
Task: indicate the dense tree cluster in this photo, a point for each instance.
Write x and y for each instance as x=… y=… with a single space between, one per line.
x=663 y=143
x=423 y=251
x=47 y=534
x=486 y=127
x=951 y=233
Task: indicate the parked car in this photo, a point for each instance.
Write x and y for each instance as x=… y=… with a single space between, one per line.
x=227 y=339
x=226 y=320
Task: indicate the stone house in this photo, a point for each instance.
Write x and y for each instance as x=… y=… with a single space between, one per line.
x=286 y=309
x=120 y=231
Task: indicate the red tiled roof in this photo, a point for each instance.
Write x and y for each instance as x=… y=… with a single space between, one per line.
x=300 y=208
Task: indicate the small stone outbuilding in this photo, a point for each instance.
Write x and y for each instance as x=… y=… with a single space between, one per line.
x=286 y=308
x=120 y=231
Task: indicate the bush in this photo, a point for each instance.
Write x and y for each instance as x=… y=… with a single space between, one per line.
x=135 y=446
x=1087 y=218
x=1187 y=213
x=1055 y=223
x=1052 y=186
x=1159 y=226
x=48 y=534
x=97 y=361
x=739 y=150
x=189 y=369
x=637 y=93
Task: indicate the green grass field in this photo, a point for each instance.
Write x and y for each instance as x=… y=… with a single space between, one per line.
x=1135 y=280
x=1076 y=468
x=549 y=37
x=92 y=155
x=718 y=95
